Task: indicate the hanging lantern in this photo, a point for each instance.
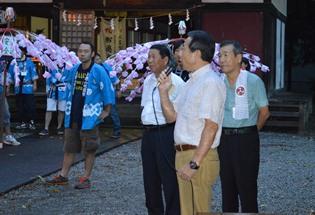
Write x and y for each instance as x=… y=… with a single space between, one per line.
x=136 y=25
x=181 y=28
x=64 y=16
x=9 y=15
x=79 y=20
x=112 y=24
x=74 y=18
x=187 y=15
x=95 y=23
x=151 y=23
x=170 y=21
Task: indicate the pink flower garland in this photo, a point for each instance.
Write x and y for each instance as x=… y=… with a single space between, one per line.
x=127 y=64
x=48 y=52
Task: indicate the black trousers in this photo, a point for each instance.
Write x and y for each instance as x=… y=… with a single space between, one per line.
x=159 y=176
x=25 y=104
x=239 y=166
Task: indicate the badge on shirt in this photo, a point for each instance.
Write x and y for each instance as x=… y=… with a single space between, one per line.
x=240 y=91
x=233 y=112
x=23 y=73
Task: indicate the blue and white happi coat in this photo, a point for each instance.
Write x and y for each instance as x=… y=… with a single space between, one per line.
x=26 y=69
x=99 y=92
x=55 y=88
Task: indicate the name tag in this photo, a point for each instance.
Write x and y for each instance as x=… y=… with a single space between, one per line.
x=233 y=112
x=62 y=89
x=23 y=73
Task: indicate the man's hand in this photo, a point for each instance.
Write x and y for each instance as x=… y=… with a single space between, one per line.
x=165 y=82
x=103 y=115
x=118 y=94
x=35 y=86
x=7 y=90
x=186 y=173
x=105 y=112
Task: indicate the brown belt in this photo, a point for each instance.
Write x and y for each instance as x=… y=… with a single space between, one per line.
x=184 y=147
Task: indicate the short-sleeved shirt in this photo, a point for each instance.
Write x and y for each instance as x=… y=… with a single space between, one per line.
x=147 y=115
x=257 y=99
x=202 y=98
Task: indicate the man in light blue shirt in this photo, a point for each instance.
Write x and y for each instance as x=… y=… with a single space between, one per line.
x=245 y=113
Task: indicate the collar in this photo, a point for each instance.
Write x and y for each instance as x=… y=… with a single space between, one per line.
x=152 y=78
x=199 y=72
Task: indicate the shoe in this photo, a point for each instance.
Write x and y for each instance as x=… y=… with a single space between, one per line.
x=43 y=132
x=58 y=180
x=10 y=140
x=116 y=136
x=31 y=125
x=84 y=183
x=21 y=126
x=60 y=131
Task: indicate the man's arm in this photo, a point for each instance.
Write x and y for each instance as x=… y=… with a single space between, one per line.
x=105 y=112
x=167 y=107
x=35 y=85
x=165 y=83
x=207 y=138
x=263 y=115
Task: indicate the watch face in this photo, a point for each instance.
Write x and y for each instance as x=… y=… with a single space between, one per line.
x=193 y=165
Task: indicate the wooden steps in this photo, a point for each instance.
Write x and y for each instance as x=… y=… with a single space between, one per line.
x=289 y=110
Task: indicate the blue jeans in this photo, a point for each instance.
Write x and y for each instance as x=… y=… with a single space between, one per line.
x=6 y=114
x=116 y=120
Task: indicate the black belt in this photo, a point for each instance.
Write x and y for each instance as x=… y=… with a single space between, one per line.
x=153 y=127
x=242 y=130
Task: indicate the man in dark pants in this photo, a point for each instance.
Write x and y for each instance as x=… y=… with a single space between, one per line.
x=24 y=75
x=157 y=149
x=245 y=113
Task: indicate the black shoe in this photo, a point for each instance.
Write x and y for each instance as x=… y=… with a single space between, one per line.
x=31 y=125
x=43 y=132
x=60 y=131
x=115 y=136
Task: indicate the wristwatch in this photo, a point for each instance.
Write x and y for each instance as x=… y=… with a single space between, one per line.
x=193 y=165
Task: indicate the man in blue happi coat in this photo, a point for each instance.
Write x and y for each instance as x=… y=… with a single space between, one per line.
x=89 y=96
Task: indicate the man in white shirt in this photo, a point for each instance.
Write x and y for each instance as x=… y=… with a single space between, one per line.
x=198 y=112
x=157 y=148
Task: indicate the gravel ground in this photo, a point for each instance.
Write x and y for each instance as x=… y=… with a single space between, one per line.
x=286 y=183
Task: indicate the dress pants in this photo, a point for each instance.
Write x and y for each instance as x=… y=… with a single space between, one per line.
x=195 y=195
x=159 y=176
x=25 y=104
x=239 y=165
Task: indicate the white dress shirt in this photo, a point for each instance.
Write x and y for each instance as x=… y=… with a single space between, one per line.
x=147 y=115
x=202 y=98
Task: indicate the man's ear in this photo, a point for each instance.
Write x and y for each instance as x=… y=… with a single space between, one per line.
x=93 y=55
x=166 y=60
x=239 y=58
